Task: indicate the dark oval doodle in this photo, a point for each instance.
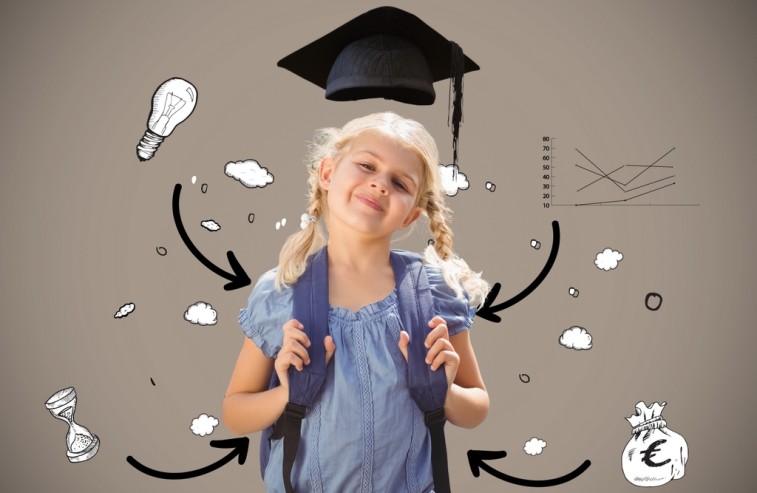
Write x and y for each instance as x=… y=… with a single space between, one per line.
x=650 y=296
x=251 y=218
x=204 y=187
x=527 y=378
x=161 y=251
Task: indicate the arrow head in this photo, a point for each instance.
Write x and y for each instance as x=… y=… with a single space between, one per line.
x=486 y=311
x=476 y=458
x=240 y=446
x=240 y=278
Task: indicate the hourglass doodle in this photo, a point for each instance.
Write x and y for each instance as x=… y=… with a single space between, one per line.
x=82 y=445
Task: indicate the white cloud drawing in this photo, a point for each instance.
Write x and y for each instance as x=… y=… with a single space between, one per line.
x=249 y=173
x=576 y=338
x=201 y=313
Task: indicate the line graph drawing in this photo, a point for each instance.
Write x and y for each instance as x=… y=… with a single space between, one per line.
x=625 y=185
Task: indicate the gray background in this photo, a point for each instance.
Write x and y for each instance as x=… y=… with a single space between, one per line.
x=623 y=82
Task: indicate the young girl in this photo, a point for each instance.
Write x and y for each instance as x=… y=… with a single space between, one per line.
x=368 y=180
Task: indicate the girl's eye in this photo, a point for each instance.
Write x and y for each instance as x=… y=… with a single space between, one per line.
x=400 y=185
x=366 y=166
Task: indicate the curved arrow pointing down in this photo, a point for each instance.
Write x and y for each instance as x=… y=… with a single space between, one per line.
x=476 y=460
x=489 y=312
x=238 y=278
x=239 y=446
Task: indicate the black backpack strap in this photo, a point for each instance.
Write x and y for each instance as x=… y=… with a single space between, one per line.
x=310 y=298
x=428 y=388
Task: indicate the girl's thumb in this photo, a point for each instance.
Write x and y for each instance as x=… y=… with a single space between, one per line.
x=328 y=343
x=404 y=341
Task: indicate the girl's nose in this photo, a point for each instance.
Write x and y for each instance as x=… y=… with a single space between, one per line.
x=379 y=184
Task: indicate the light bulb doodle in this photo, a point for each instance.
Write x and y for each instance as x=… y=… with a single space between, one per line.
x=172 y=103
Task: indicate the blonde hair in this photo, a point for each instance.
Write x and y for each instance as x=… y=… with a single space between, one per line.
x=332 y=143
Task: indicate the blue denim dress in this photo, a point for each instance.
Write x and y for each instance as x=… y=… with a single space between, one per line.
x=365 y=434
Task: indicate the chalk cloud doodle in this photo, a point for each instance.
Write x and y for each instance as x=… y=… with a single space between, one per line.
x=452 y=180
x=172 y=103
x=210 y=225
x=249 y=173
x=608 y=259
x=201 y=313
x=203 y=425
x=655 y=454
x=576 y=338
x=124 y=311
x=535 y=446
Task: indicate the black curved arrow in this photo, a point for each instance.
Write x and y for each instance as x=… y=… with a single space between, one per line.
x=489 y=312
x=239 y=446
x=239 y=278
x=476 y=460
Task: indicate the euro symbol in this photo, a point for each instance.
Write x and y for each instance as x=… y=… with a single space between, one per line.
x=650 y=452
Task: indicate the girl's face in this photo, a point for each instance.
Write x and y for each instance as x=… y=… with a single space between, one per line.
x=373 y=186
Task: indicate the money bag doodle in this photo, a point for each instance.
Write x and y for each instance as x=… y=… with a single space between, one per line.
x=655 y=454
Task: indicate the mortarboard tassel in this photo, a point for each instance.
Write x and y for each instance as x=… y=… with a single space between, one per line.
x=457 y=66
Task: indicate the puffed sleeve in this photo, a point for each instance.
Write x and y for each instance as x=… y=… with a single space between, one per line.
x=457 y=312
x=266 y=312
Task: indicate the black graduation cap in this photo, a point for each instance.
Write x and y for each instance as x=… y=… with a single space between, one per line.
x=384 y=53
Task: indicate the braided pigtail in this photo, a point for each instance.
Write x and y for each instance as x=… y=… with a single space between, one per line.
x=438 y=217
x=311 y=238
x=454 y=269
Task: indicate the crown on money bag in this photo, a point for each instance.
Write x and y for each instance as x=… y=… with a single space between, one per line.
x=647 y=415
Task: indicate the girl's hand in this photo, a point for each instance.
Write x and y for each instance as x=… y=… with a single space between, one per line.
x=440 y=349
x=294 y=351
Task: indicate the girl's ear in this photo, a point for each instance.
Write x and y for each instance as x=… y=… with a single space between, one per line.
x=324 y=172
x=411 y=217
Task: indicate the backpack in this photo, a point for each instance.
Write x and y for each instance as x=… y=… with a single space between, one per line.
x=428 y=388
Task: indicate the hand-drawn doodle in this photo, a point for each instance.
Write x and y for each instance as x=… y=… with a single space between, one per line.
x=452 y=180
x=249 y=173
x=161 y=251
x=251 y=217
x=203 y=425
x=573 y=292
x=124 y=311
x=281 y=224
x=81 y=443
x=535 y=244
x=575 y=338
x=210 y=225
x=201 y=313
x=653 y=301
x=608 y=259
x=476 y=462
x=152 y=382
x=490 y=186
x=204 y=187
x=655 y=454
x=489 y=312
x=306 y=219
x=238 y=446
x=238 y=277
x=172 y=103
x=535 y=446
x=524 y=377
